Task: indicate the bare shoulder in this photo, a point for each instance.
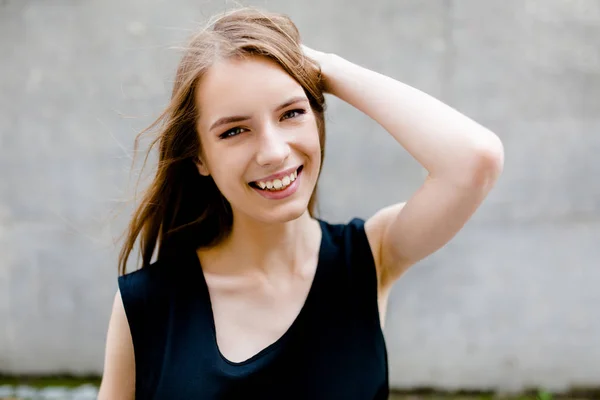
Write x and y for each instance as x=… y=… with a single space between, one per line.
x=376 y=228
x=118 y=380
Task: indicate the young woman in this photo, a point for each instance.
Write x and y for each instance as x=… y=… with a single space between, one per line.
x=250 y=295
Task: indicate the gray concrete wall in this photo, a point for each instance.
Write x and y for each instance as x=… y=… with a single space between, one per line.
x=512 y=302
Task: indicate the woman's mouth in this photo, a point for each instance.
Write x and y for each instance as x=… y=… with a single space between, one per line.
x=278 y=189
x=277 y=184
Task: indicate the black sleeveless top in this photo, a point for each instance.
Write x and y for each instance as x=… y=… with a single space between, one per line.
x=334 y=349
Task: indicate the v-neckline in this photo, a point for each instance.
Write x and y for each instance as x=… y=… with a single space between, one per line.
x=288 y=332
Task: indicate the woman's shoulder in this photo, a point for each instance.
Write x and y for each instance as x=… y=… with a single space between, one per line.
x=348 y=239
x=347 y=246
x=144 y=275
x=340 y=232
x=147 y=284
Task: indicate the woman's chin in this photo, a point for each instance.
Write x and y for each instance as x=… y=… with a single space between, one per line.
x=289 y=212
x=278 y=214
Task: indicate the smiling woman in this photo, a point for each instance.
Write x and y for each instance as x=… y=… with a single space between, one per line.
x=251 y=296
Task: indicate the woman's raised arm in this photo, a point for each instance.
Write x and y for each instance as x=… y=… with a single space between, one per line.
x=463 y=158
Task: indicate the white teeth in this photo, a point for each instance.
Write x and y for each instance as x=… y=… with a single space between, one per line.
x=278 y=184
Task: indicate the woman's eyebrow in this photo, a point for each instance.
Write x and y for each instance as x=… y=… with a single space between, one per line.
x=293 y=100
x=228 y=120
x=240 y=118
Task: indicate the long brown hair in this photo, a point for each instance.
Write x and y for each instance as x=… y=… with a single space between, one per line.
x=181 y=207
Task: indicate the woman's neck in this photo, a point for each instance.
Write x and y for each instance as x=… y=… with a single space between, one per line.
x=256 y=247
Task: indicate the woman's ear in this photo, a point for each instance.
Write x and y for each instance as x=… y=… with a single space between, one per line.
x=202 y=169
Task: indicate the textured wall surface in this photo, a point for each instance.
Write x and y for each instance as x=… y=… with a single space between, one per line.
x=511 y=302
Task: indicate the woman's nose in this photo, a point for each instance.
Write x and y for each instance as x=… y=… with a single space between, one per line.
x=273 y=148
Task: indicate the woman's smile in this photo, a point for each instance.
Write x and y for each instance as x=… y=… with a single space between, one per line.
x=278 y=186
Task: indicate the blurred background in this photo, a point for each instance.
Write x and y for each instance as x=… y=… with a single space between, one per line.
x=511 y=304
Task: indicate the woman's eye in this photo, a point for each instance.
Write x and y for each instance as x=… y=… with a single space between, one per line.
x=231 y=133
x=293 y=113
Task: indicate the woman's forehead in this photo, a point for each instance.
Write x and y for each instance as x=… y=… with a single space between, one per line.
x=243 y=86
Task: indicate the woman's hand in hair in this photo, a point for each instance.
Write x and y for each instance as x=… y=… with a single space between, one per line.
x=323 y=61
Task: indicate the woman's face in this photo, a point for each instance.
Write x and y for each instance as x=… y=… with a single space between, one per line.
x=259 y=136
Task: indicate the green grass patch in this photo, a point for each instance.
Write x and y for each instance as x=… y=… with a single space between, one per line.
x=39 y=382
